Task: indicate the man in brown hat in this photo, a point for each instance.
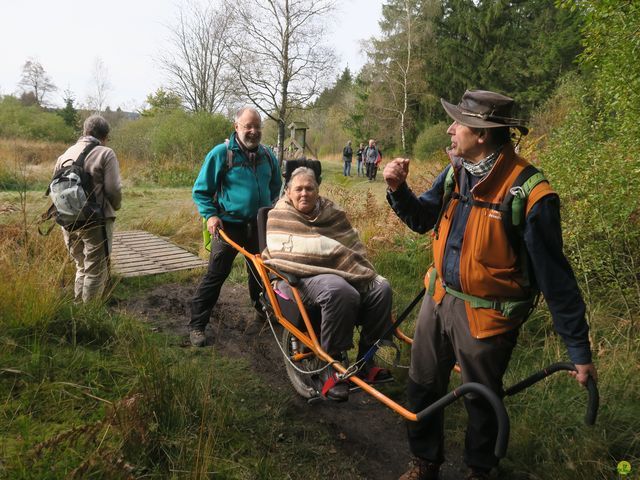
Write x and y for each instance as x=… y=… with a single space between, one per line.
x=486 y=274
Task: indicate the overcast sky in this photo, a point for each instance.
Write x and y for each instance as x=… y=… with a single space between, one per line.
x=68 y=36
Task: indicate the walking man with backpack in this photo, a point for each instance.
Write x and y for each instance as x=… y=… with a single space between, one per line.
x=89 y=242
x=237 y=178
x=372 y=157
x=489 y=266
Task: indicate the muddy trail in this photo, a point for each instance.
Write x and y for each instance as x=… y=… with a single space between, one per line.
x=372 y=435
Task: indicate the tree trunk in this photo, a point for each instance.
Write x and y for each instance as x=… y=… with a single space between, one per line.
x=281 y=131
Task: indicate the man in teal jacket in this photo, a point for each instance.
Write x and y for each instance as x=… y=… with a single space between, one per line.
x=236 y=179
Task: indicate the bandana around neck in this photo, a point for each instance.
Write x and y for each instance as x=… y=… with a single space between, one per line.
x=484 y=166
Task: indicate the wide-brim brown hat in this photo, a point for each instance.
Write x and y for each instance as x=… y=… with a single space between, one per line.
x=484 y=109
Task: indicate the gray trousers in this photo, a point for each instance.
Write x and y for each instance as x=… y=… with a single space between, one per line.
x=86 y=247
x=441 y=338
x=343 y=307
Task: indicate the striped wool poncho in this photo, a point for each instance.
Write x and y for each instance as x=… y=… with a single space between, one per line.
x=319 y=243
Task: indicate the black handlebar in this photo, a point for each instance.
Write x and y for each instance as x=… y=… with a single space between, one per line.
x=592 y=389
x=495 y=402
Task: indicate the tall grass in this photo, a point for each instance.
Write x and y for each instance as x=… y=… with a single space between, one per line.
x=89 y=393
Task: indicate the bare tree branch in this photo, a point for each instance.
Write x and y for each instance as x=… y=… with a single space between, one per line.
x=34 y=77
x=287 y=65
x=196 y=63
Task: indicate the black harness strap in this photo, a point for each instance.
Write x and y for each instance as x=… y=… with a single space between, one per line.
x=500 y=207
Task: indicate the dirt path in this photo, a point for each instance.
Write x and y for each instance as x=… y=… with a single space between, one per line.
x=372 y=434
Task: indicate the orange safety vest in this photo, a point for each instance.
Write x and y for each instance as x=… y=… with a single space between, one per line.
x=489 y=267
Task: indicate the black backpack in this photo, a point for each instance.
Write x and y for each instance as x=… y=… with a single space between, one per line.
x=72 y=193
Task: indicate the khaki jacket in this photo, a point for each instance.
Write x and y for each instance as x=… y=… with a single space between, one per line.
x=102 y=165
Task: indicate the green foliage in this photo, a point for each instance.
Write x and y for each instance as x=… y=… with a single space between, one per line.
x=593 y=155
x=172 y=134
x=162 y=101
x=517 y=48
x=610 y=57
x=32 y=122
x=359 y=121
x=334 y=95
x=173 y=143
x=430 y=140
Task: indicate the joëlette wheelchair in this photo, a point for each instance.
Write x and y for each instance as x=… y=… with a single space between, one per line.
x=305 y=359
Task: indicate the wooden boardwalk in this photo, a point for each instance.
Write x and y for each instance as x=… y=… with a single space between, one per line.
x=137 y=253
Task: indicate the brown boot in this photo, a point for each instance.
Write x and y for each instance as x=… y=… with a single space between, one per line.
x=422 y=470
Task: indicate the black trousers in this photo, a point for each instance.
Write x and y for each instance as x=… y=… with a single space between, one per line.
x=442 y=337
x=220 y=263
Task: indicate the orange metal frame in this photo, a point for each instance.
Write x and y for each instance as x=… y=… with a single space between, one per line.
x=310 y=338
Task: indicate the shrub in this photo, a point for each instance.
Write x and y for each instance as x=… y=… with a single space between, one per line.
x=430 y=140
x=18 y=121
x=169 y=147
x=591 y=164
x=176 y=134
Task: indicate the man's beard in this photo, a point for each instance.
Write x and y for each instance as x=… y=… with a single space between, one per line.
x=251 y=143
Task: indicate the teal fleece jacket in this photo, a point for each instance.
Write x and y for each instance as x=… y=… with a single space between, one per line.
x=241 y=190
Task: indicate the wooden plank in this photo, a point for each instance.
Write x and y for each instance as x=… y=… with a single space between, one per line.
x=136 y=253
x=153 y=255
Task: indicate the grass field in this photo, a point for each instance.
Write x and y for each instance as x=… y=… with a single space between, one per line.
x=86 y=393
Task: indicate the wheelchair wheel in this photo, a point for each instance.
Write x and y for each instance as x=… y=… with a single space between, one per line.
x=306 y=385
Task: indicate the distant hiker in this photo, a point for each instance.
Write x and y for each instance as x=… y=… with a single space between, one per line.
x=310 y=237
x=372 y=157
x=236 y=179
x=359 y=159
x=90 y=245
x=490 y=265
x=347 y=156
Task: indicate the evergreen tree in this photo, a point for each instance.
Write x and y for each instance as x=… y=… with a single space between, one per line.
x=519 y=48
x=69 y=113
x=397 y=77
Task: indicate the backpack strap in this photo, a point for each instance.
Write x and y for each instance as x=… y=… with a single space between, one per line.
x=516 y=201
x=519 y=203
x=229 y=156
x=449 y=185
x=82 y=157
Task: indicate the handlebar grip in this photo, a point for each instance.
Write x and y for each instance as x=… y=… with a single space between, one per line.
x=496 y=404
x=593 y=401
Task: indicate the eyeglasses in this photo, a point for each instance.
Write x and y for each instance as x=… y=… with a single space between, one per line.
x=250 y=126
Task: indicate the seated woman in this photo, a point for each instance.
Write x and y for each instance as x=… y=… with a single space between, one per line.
x=310 y=237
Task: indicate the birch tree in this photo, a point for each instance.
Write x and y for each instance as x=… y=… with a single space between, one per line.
x=101 y=85
x=396 y=76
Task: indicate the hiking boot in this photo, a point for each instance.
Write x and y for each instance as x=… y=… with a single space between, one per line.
x=478 y=474
x=256 y=324
x=197 y=338
x=422 y=470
